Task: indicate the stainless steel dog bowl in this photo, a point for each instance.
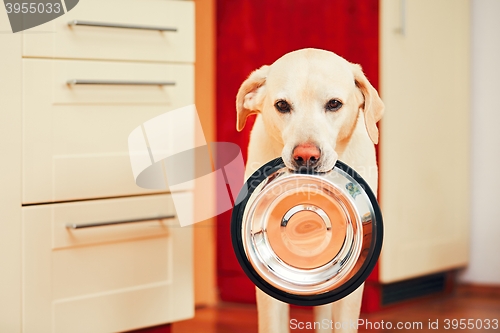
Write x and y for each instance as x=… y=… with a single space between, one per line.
x=306 y=239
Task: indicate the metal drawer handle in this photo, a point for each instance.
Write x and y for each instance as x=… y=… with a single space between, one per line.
x=120 y=83
x=120 y=25
x=101 y=224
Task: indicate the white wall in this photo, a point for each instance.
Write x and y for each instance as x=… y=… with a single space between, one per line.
x=484 y=264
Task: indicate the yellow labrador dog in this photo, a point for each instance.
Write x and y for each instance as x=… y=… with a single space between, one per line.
x=313 y=107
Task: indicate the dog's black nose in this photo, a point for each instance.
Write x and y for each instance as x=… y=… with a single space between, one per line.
x=306 y=156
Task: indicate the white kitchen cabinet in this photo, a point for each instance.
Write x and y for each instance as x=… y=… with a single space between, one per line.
x=65 y=161
x=424 y=150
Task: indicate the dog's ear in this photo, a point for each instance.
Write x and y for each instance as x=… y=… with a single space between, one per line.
x=250 y=95
x=373 y=106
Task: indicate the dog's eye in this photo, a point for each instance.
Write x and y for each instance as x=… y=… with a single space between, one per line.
x=333 y=105
x=282 y=106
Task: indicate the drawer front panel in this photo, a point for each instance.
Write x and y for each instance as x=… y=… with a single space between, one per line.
x=153 y=303
x=136 y=277
x=75 y=136
x=97 y=220
x=58 y=39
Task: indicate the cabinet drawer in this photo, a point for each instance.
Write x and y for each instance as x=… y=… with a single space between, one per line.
x=58 y=39
x=75 y=143
x=106 y=278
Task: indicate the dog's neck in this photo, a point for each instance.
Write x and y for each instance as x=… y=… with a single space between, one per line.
x=358 y=151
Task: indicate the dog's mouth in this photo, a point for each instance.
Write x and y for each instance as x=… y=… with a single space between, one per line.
x=307 y=168
x=304 y=169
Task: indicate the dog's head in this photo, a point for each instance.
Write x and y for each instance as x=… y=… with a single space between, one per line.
x=310 y=100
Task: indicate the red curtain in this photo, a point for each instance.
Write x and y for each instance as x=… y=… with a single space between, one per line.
x=252 y=33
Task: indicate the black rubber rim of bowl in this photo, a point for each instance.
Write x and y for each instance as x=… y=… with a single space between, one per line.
x=304 y=300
